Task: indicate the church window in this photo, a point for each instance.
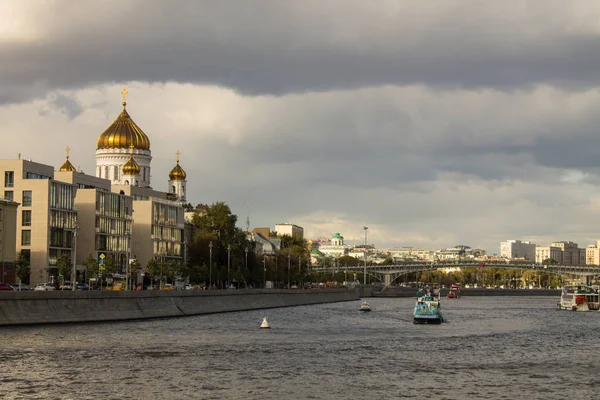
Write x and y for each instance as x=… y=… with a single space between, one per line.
x=116 y=176
x=126 y=182
x=173 y=189
x=106 y=172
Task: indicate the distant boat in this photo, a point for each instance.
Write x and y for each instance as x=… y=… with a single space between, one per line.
x=427 y=310
x=364 y=307
x=454 y=292
x=265 y=323
x=579 y=298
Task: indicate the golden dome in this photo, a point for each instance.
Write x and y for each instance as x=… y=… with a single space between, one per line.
x=177 y=173
x=67 y=166
x=122 y=133
x=131 y=167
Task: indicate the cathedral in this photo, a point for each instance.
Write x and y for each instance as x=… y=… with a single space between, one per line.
x=123 y=156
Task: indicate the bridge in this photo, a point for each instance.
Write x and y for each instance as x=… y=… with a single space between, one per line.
x=389 y=273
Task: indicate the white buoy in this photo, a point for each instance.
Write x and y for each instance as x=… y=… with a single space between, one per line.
x=265 y=323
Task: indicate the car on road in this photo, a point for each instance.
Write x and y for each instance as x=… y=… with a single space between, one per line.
x=22 y=286
x=43 y=286
x=7 y=287
x=66 y=286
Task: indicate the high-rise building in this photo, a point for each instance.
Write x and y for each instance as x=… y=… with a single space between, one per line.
x=517 y=249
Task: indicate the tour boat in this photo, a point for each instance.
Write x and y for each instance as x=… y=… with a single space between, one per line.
x=454 y=292
x=578 y=298
x=364 y=307
x=427 y=310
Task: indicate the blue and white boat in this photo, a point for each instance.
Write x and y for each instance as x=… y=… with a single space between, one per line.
x=427 y=310
x=364 y=307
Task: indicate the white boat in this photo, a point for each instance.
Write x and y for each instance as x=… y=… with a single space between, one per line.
x=364 y=307
x=265 y=323
x=578 y=298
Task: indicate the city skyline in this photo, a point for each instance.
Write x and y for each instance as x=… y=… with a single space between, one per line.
x=434 y=125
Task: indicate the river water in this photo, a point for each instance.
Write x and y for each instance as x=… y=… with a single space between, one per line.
x=489 y=348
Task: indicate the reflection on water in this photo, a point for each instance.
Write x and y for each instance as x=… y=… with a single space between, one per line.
x=490 y=348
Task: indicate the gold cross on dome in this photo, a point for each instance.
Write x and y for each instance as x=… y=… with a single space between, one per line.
x=67 y=149
x=124 y=93
x=177 y=153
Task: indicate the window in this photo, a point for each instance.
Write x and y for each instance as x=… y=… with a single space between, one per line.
x=26 y=198
x=9 y=178
x=8 y=195
x=25 y=238
x=26 y=217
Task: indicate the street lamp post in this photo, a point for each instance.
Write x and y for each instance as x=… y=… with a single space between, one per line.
x=228 y=262
x=74 y=278
x=127 y=270
x=289 y=266
x=264 y=271
x=365 y=271
x=246 y=251
x=210 y=245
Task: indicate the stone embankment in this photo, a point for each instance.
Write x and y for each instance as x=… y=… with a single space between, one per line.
x=23 y=308
x=412 y=292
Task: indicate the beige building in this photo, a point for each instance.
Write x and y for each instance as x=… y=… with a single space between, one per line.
x=8 y=240
x=46 y=218
x=545 y=252
x=295 y=231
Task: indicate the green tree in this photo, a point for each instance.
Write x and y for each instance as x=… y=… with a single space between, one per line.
x=109 y=265
x=549 y=261
x=63 y=265
x=153 y=270
x=23 y=268
x=91 y=266
x=134 y=268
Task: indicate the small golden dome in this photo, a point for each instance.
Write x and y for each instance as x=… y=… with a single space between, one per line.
x=177 y=173
x=131 y=167
x=67 y=166
x=123 y=133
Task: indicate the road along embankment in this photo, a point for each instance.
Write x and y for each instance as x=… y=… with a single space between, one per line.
x=412 y=292
x=23 y=308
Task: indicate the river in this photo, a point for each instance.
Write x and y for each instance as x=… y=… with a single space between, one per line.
x=489 y=348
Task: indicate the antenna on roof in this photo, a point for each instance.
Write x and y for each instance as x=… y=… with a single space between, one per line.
x=19 y=156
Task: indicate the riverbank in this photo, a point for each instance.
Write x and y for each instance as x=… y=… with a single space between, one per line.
x=411 y=292
x=26 y=308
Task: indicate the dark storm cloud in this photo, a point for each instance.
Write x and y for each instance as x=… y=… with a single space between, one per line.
x=273 y=47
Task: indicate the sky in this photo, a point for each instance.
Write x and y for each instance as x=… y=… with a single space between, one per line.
x=432 y=123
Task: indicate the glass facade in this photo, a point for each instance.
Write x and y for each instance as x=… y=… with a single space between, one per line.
x=114 y=225
x=167 y=229
x=32 y=175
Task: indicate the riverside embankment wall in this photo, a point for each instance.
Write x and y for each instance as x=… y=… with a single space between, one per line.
x=22 y=308
x=412 y=292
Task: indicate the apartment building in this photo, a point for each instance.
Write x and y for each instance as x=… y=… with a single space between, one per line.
x=8 y=242
x=46 y=217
